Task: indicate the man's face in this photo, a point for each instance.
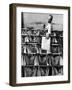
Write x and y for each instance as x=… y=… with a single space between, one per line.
x=49 y=17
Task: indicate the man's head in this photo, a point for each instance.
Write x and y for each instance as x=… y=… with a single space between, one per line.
x=50 y=18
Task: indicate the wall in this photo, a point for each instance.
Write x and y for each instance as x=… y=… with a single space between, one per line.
x=4 y=45
x=31 y=18
x=36 y=17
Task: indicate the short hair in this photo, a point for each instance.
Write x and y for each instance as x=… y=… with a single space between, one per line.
x=50 y=20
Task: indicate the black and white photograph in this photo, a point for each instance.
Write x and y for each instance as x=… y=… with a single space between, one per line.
x=41 y=44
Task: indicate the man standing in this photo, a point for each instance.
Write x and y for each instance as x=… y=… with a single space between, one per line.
x=46 y=40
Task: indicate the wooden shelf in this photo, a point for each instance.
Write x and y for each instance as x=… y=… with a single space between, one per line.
x=54 y=44
x=39 y=35
x=56 y=54
x=43 y=66
x=30 y=35
x=27 y=29
x=41 y=54
x=42 y=30
x=36 y=54
x=57 y=31
x=26 y=43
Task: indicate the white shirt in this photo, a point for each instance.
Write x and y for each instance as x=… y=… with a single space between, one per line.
x=48 y=27
x=46 y=42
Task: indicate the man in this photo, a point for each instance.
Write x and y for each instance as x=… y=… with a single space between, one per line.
x=46 y=40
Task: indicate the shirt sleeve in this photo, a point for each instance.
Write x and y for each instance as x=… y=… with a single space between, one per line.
x=48 y=27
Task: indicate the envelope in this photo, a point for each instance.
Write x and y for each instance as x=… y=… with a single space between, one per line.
x=45 y=45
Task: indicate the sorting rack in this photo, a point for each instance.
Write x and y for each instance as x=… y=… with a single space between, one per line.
x=58 y=44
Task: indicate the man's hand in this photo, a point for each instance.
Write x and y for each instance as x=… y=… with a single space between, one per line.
x=47 y=35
